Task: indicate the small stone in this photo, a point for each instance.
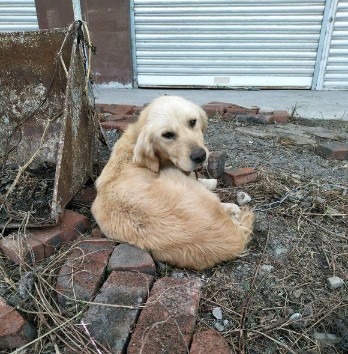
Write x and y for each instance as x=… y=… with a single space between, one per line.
x=335 y=282
x=326 y=337
x=26 y=284
x=295 y=316
x=298 y=292
x=226 y=323
x=267 y=267
x=296 y=176
x=219 y=326
x=243 y=198
x=320 y=200
x=178 y=274
x=217 y=313
x=216 y=164
x=280 y=252
x=266 y=110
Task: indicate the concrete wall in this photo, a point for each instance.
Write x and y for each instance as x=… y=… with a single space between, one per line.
x=109 y=25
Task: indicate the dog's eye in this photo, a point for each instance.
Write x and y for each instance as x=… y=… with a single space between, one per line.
x=168 y=135
x=192 y=123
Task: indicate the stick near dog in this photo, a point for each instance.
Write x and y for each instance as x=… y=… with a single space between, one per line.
x=146 y=198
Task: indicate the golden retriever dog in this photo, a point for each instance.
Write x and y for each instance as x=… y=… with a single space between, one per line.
x=146 y=198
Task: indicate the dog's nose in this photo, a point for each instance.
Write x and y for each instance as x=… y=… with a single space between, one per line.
x=198 y=155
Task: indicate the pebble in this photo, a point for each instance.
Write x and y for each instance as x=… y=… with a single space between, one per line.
x=217 y=313
x=243 y=198
x=279 y=251
x=320 y=200
x=26 y=284
x=295 y=316
x=326 y=337
x=335 y=282
x=267 y=267
x=219 y=326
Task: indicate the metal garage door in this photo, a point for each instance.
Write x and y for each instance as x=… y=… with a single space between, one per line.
x=18 y=15
x=336 y=73
x=226 y=43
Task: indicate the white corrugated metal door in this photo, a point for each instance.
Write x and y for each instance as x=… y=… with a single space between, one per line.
x=336 y=73
x=226 y=43
x=18 y=15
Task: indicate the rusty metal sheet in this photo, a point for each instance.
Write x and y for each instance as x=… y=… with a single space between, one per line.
x=45 y=113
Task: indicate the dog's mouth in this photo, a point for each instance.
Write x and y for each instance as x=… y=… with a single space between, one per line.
x=195 y=170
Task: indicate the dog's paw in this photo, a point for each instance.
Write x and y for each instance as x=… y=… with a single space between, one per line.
x=233 y=210
x=209 y=183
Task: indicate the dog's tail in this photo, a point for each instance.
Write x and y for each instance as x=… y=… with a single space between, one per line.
x=246 y=222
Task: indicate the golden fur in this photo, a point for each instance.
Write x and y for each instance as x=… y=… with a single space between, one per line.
x=145 y=198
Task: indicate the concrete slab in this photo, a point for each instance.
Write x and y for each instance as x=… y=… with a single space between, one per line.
x=306 y=104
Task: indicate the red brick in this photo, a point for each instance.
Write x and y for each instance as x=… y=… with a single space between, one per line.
x=138 y=109
x=96 y=233
x=115 y=125
x=240 y=176
x=22 y=248
x=214 y=109
x=128 y=257
x=216 y=164
x=85 y=195
x=117 y=109
x=249 y=117
x=233 y=109
x=331 y=150
x=81 y=275
x=168 y=319
x=51 y=238
x=15 y=331
x=209 y=341
x=280 y=117
x=38 y=244
x=130 y=118
x=111 y=326
x=73 y=224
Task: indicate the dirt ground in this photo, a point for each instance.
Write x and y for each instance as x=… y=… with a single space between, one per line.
x=276 y=298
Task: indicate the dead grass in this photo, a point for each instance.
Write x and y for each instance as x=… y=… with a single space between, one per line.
x=303 y=237
x=31 y=290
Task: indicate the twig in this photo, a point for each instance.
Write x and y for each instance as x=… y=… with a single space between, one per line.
x=47 y=333
x=242 y=333
x=275 y=341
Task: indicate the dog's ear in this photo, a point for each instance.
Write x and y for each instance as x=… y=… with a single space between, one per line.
x=204 y=119
x=144 y=153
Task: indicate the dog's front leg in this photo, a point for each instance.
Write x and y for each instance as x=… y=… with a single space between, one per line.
x=209 y=183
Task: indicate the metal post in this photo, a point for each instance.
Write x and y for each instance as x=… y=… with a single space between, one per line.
x=324 y=44
x=77 y=10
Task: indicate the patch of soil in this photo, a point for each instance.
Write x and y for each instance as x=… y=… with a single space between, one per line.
x=32 y=194
x=276 y=299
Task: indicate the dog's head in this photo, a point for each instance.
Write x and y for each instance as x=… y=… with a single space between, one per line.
x=171 y=133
